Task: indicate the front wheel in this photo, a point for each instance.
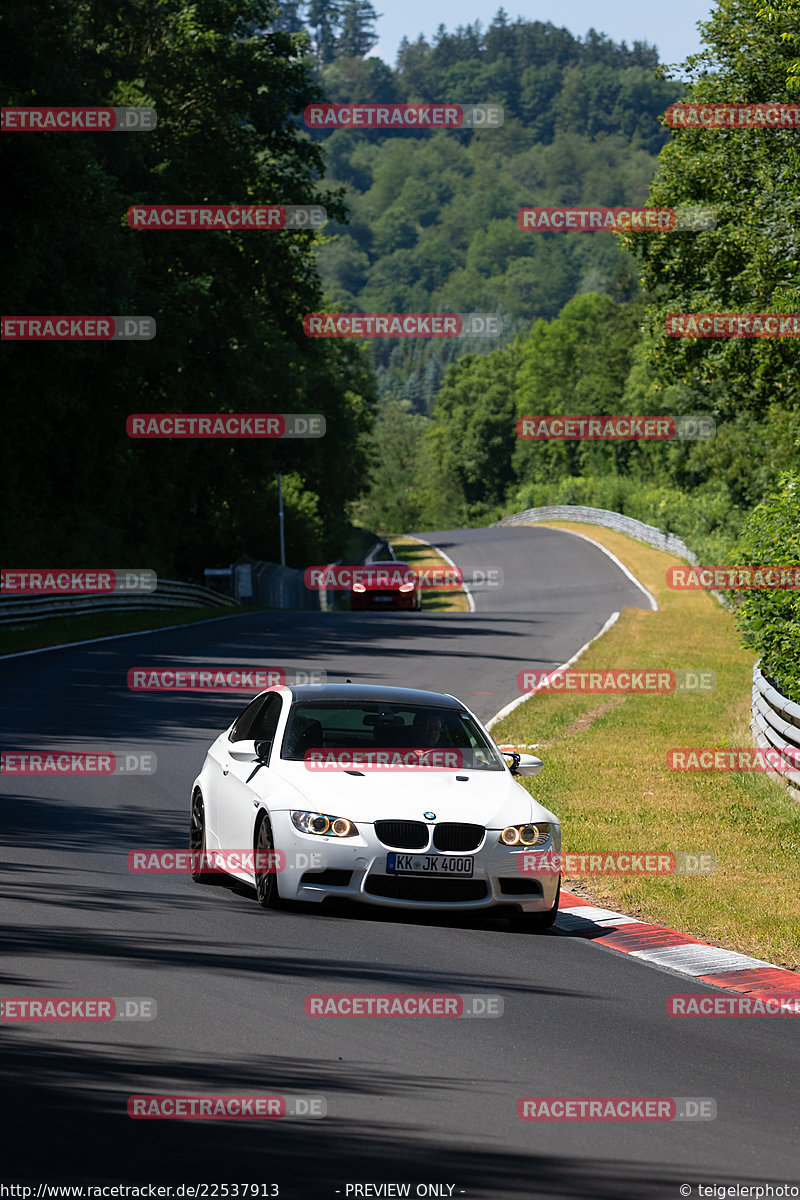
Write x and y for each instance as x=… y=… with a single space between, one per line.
x=538 y=922
x=266 y=881
x=197 y=839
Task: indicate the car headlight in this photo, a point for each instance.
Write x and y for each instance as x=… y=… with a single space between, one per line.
x=359 y=587
x=322 y=825
x=407 y=587
x=525 y=835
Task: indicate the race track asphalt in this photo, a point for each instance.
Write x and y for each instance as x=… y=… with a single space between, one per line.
x=428 y=1102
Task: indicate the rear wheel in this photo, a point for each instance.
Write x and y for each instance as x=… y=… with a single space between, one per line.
x=197 y=838
x=538 y=922
x=266 y=881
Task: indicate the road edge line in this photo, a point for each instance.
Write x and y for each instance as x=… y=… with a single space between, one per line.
x=113 y=637
x=625 y=570
x=414 y=538
x=498 y=716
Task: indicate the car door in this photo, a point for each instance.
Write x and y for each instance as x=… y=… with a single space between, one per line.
x=218 y=767
x=243 y=778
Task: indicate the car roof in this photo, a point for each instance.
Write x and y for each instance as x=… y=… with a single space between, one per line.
x=369 y=691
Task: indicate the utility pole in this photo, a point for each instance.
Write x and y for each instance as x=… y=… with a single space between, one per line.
x=280 y=519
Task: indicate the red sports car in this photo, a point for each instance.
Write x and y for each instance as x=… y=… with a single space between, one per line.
x=386 y=585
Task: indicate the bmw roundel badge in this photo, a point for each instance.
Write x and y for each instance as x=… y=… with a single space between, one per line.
x=429 y=816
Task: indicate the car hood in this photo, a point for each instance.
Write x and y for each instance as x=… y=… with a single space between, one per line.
x=490 y=798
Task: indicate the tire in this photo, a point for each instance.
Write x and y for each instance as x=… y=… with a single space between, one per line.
x=197 y=836
x=266 y=881
x=538 y=922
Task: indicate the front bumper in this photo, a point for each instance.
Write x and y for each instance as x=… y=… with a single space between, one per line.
x=362 y=601
x=355 y=868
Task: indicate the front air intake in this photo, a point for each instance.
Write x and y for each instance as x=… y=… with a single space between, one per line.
x=450 y=835
x=405 y=835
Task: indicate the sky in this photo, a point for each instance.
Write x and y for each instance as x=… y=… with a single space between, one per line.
x=671 y=27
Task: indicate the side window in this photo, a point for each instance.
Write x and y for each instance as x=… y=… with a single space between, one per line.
x=247 y=718
x=266 y=721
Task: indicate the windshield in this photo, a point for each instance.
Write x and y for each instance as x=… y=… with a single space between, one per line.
x=369 y=725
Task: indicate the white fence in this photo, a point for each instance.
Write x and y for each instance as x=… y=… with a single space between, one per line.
x=169 y=593
x=611 y=520
x=776 y=724
x=275 y=586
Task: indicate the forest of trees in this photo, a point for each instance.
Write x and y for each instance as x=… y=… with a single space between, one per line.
x=432 y=218
x=420 y=431
x=597 y=344
x=228 y=305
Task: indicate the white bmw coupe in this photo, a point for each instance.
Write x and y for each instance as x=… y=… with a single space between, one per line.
x=384 y=795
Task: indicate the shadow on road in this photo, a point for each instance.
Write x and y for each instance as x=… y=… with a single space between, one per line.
x=76 y=1099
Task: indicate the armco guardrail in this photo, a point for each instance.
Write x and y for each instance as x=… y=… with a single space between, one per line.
x=612 y=520
x=776 y=723
x=169 y=593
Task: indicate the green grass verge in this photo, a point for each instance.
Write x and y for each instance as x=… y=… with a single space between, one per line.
x=58 y=630
x=606 y=775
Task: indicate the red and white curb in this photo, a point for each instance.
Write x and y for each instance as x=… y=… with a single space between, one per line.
x=666 y=947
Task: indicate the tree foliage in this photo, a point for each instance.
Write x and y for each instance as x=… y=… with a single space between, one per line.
x=228 y=305
x=751 y=261
x=433 y=217
x=770 y=620
x=604 y=350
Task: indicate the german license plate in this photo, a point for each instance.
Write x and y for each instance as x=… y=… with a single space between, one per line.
x=429 y=864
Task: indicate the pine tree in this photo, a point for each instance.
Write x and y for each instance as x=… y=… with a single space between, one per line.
x=357 y=35
x=288 y=18
x=324 y=18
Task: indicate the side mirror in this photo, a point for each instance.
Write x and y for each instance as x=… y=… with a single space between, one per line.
x=263 y=751
x=525 y=765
